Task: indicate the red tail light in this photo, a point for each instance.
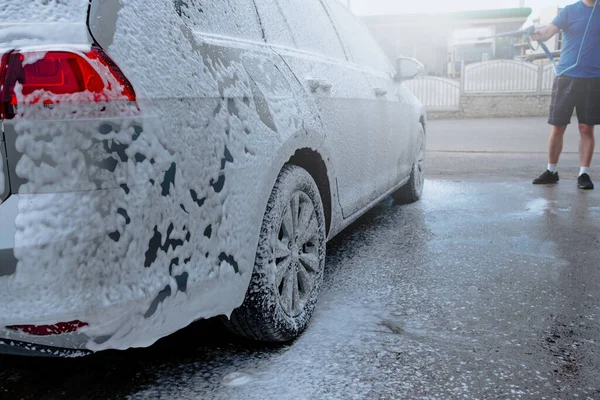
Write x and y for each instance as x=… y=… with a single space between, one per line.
x=60 y=73
x=47 y=330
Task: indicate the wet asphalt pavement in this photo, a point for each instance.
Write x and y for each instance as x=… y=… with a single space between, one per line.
x=489 y=288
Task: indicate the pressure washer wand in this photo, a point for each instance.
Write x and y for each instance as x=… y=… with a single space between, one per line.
x=526 y=33
x=529 y=31
x=523 y=32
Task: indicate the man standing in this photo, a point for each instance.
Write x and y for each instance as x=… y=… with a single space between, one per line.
x=577 y=89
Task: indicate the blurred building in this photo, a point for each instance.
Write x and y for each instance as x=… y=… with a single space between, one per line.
x=443 y=41
x=523 y=48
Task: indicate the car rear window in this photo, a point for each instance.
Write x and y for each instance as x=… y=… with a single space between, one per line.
x=365 y=50
x=43 y=11
x=37 y=22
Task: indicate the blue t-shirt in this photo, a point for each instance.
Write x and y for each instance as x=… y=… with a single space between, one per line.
x=573 y=20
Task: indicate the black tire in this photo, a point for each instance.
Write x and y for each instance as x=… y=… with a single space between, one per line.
x=266 y=314
x=412 y=191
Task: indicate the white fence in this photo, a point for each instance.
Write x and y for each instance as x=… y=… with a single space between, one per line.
x=548 y=76
x=489 y=78
x=501 y=76
x=440 y=94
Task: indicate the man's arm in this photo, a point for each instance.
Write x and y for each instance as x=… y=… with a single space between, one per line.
x=545 y=34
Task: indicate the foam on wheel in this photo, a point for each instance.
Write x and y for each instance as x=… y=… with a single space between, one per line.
x=413 y=189
x=290 y=259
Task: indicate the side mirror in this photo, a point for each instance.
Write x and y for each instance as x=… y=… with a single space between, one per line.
x=407 y=68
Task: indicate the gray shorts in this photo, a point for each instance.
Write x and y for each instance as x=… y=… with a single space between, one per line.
x=580 y=94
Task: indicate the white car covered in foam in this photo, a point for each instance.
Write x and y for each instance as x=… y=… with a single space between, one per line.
x=164 y=161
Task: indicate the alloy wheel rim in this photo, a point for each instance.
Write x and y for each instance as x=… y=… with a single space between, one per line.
x=420 y=164
x=296 y=254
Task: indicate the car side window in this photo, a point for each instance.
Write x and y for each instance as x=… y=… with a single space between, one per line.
x=103 y=20
x=230 y=18
x=364 y=49
x=302 y=24
x=276 y=28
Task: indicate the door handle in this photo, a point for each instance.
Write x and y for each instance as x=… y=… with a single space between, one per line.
x=380 y=92
x=316 y=84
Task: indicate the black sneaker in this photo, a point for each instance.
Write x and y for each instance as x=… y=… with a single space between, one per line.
x=547 y=178
x=585 y=182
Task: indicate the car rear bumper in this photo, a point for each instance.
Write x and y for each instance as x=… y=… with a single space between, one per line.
x=112 y=225
x=18 y=348
x=62 y=260
x=8 y=213
x=12 y=341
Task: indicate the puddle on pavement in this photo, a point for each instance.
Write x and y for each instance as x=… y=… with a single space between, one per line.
x=236 y=379
x=541 y=206
x=416 y=329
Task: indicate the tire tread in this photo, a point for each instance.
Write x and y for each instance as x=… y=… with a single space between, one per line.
x=256 y=318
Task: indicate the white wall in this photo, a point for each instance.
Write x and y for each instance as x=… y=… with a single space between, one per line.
x=546 y=17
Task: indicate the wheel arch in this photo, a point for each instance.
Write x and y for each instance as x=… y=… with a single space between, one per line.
x=306 y=149
x=312 y=161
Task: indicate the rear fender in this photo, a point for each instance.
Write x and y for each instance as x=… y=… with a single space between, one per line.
x=302 y=139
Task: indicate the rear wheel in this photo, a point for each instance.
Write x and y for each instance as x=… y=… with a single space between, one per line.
x=412 y=191
x=290 y=260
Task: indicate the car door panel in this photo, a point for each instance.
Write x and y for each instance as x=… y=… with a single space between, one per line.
x=394 y=115
x=339 y=89
x=390 y=114
x=342 y=109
